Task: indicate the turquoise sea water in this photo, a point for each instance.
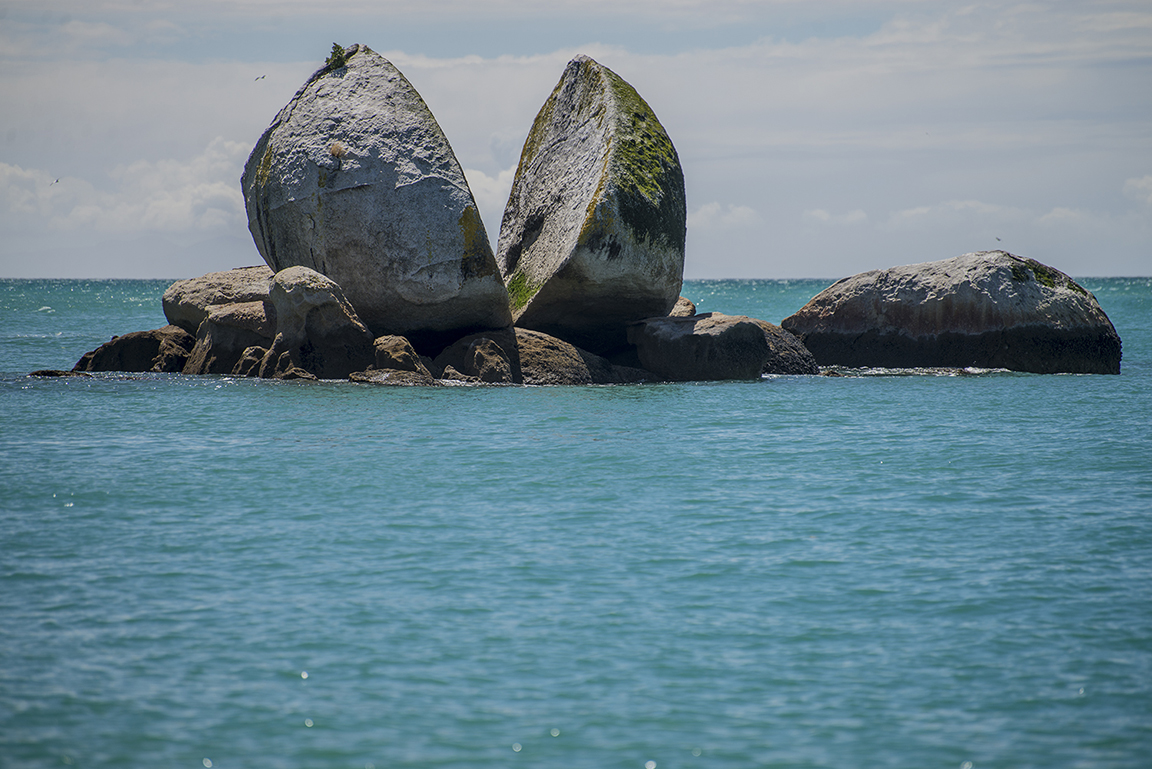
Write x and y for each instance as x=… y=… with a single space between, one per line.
x=929 y=569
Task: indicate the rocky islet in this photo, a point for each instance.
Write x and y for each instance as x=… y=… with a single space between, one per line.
x=379 y=269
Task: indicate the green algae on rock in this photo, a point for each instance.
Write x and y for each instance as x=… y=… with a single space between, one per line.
x=593 y=234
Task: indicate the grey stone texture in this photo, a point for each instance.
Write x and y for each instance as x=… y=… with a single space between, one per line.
x=226 y=333
x=593 y=233
x=317 y=330
x=709 y=346
x=988 y=309
x=786 y=353
x=186 y=302
x=548 y=360
x=355 y=179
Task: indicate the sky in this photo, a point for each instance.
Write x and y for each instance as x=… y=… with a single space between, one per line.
x=817 y=139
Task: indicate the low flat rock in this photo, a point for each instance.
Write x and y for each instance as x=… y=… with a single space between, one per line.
x=317 y=329
x=709 y=346
x=186 y=302
x=548 y=360
x=394 y=378
x=355 y=179
x=989 y=309
x=55 y=373
x=593 y=234
x=161 y=350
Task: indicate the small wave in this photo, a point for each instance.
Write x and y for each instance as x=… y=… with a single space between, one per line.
x=929 y=371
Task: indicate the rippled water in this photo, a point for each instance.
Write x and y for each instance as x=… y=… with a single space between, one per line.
x=934 y=569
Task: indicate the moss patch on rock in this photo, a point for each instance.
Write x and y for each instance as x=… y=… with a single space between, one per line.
x=1024 y=269
x=520 y=290
x=645 y=168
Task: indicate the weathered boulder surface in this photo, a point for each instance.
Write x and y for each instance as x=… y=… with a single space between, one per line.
x=355 y=179
x=396 y=353
x=701 y=347
x=317 y=330
x=226 y=333
x=186 y=302
x=684 y=308
x=160 y=350
x=250 y=360
x=989 y=309
x=491 y=357
x=787 y=354
x=547 y=360
x=593 y=234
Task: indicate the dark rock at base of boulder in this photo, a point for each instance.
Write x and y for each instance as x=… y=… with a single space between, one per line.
x=491 y=356
x=710 y=346
x=395 y=352
x=55 y=372
x=450 y=374
x=1033 y=349
x=250 y=360
x=394 y=378
x=989 y=309
x=159 y=350
x=787 y=354
x=547 y=360
x=226 y=333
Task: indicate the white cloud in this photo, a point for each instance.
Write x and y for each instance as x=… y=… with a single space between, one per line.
x=953 y=212
x=96 y=33
x=491 y=194
x=1139 y=189
x=949 y=126
x=200 y=195
x=714 y=216
x=820 y=216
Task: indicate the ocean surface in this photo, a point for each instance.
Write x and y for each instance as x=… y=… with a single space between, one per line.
x=884 y=569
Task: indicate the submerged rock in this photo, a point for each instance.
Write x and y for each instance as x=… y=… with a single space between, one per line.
x=162 y=350
x=708 y=346
x=355 y=179
x=989 y=309
x=54 y=373
x=394 y=378
x=593 y=234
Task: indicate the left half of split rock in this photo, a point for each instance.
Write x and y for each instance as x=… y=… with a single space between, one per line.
x=355 y=179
